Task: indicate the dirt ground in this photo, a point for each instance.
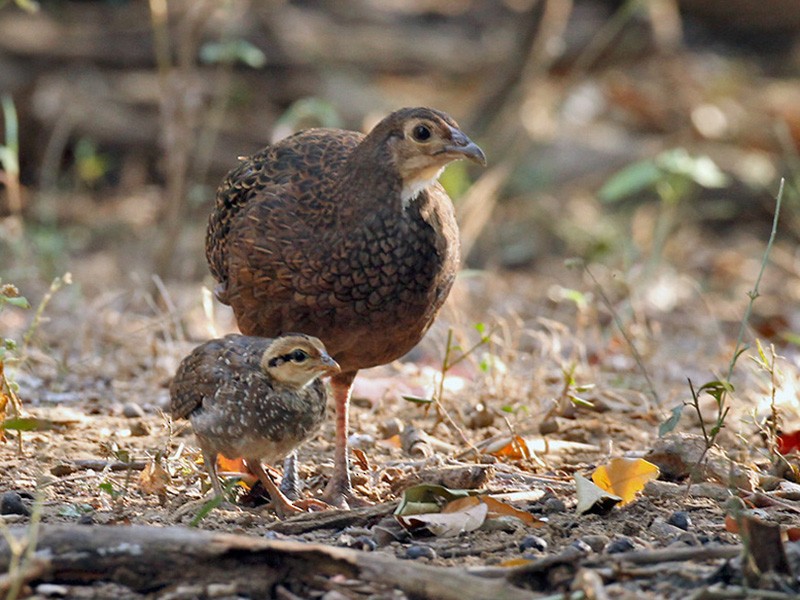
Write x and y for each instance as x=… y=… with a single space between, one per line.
x=98 y=373
x=582 y=363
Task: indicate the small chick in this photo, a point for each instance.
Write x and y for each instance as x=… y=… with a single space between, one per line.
x=255 y=398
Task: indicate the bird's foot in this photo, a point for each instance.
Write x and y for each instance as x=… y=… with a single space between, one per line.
x=341 y=495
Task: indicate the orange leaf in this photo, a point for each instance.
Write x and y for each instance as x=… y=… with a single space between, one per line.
x=625 y=477
x=731 y=524
x=515 y=449
x=499 y=508
x=231 y=465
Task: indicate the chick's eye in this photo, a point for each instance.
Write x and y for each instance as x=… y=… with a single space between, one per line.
x=421 y=133
x=298 y=356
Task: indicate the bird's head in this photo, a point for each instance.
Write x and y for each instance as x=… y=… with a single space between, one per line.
x=422 y=141
x=296 y=360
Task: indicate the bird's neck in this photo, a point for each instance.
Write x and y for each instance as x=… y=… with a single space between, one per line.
x=369 y=181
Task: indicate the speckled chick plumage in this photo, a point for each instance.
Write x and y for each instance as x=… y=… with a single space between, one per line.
x=237 y=408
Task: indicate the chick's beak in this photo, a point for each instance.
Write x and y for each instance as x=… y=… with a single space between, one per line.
x=331 y=366
x=461 y=144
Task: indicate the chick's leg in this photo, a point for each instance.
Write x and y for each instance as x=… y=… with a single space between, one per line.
x=283 y=506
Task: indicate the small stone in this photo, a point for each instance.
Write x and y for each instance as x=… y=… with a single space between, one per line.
x=140 y=429
x=532 y=542
x=51 y=590
x=220 y=590
x=390 y=427
x=131 y=410
x=415 y=552
x=619 y=544
x=680 y=519
x=11 y=504
x=582 y=546
x=361 y=542
x=554 y=505
x=595 y=541
x=87 y=519
x=663 y=529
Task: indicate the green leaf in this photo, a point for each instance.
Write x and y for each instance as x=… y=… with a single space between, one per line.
x=631 y=180
x=18 y=301
x=700 y=169
x=206 y=508
x=672 y=422
x=108 y=488
x=233 y=51
x=578 y=401
x=428 y=497
x=418 y=400
x=28 y=424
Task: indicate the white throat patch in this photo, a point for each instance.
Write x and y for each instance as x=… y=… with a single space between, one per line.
x=413 y=188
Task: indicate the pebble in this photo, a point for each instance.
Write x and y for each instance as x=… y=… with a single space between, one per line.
x=680 y=519
x=11 y=504
x=582 y=546
x=51 y=590
x=595 y=541
x=361 y=542
x=415 y=552
x=663 y=529
x=554 y=505
x=619 y=544
x=532 y=542
x=131 y=410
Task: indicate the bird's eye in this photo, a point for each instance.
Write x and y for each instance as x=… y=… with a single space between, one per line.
x=298 y=356
x=421 y=133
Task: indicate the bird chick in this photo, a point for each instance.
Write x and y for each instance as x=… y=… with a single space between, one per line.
x=347 y=237
x=254 y=398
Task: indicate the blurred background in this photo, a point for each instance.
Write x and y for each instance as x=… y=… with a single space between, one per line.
x=647 y=137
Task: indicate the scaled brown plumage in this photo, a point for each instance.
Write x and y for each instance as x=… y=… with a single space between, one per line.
x=343 y=236
x=254 y=398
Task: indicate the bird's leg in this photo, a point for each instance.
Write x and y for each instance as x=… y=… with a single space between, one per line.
x=210 y=461
x=289 y=482
x=339 y=491
x=282 y=505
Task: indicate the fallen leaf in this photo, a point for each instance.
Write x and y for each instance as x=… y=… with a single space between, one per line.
x=154 y=479
x=516 y=562
x=789 y=441
x=625 y=477
x=515 y=448
x=360 y=459
x=498 y=508
x=592 y=498
x=427 y=498
x=231 y=465
x=468 y=518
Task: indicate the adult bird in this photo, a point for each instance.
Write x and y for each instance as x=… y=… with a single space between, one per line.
x=346 y=237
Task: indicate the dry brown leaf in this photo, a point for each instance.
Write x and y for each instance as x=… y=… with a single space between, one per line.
x=154 y=479
x=469 y=518
x=625 y=477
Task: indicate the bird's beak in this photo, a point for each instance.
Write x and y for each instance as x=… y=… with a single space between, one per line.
x=331 y=366
x=461 y=144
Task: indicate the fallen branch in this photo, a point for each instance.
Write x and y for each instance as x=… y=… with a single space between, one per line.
x=149 y=559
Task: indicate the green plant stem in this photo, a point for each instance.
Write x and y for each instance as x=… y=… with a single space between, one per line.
x=618 y=322
x=754 y=293
x=55 y=285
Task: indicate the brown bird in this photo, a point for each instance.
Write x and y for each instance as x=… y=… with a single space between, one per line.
x=253 y=397
x=347 y=237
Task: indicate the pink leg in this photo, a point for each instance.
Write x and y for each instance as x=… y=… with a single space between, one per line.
x=339 y=491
